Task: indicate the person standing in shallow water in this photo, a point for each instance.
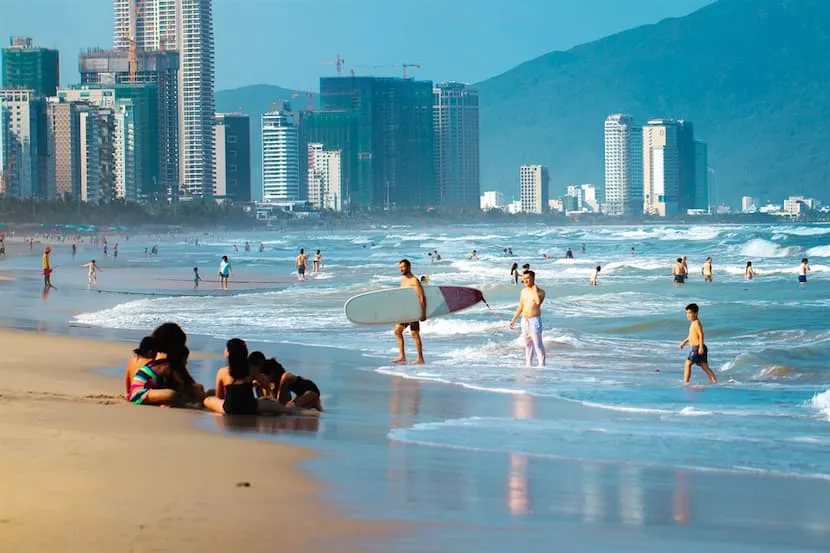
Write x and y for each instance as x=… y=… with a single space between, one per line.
x=224 y=271
x=408 y=280
x=530 y=309
x=700 y=353
x=301 y=262
x=706 y=270
x=802 y=271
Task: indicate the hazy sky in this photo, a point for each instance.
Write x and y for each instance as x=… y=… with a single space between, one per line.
x=283 y=42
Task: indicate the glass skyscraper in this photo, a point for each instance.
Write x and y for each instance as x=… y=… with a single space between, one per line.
x=389 y=161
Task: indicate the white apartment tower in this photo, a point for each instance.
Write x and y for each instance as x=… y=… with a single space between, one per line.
x=623 y=165
x=533 y=184
x=280 y=157
x=661 y=168
x=186 y=26
x=324 y=178
x=18 y=142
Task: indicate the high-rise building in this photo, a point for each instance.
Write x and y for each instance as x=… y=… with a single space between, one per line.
x=89 y=154
x=661 y=168
x=702 y=199
x=574 y=198
x=280 y=157
x=187 y=27
x=325 y=189
x=124 y=150
x=748 y=204
x=22 y=143
x=456 y=145
x=336 y=130
x=26 y=66
x=589 y=197
x=101 y=68
x=623 y=166
x=687 y=166
x=533 y=184
x=233 y=156
x=390 y=159
x=145 y=131
x=63 y=124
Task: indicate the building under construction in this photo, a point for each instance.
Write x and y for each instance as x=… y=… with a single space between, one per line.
x=110 y=67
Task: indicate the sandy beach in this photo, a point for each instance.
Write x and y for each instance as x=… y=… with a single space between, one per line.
x=85 y=471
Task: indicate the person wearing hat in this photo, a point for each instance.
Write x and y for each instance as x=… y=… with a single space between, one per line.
x=47 y=268
x=143 y=354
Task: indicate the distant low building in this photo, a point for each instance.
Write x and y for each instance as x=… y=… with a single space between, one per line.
x=797 y=205
x=556 y=205
x=514 y=206
x=491 y=200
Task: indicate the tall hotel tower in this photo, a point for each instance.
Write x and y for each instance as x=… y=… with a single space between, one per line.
x=623 y=166
x=186 y=26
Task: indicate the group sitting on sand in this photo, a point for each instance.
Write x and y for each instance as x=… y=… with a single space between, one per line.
x=157 y=374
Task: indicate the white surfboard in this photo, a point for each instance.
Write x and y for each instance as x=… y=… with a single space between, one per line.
x=400 y=305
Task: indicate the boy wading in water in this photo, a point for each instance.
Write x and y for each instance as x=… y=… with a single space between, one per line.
x=700 y=353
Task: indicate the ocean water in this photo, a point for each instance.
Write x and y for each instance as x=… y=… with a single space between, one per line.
x=612 y=390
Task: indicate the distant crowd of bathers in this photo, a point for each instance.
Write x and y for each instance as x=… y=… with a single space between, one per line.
x=249 y=384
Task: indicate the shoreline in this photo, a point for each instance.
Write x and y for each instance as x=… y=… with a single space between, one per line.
x=76 y=447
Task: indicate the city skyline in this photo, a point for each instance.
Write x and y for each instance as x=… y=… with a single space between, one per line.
x=566 y=23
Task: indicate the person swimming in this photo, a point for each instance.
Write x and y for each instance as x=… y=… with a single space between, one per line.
x=569 y=254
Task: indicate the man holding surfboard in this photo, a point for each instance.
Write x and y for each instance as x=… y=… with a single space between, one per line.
x=408 y=280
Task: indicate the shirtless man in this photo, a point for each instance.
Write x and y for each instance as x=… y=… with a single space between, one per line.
x=408 y=280
x=678 y=272
x=530 y=309
x=700 y=353
x=301 y=261
x=706 y=270
x=92 y=277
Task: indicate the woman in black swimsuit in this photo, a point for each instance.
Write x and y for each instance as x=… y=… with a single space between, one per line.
x=234 y=386
x=306 y=394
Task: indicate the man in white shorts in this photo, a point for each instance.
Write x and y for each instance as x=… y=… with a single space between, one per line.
x=530 y=309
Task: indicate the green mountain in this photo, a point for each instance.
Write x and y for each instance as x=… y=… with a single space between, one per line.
x=752 y=75
x=255 y=100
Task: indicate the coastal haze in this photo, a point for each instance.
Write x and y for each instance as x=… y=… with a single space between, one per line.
x=602 y=449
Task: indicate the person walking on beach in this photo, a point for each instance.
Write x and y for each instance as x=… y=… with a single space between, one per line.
x=2 y=245
x=115 y=251
x=47 y=268
x=196 y=277
x=530 y=309
x=700 y=353
x=802 y=271
x=315 y=266
x=749 y=272
x=706 y=270
x=92 y=277
x=408 y=280
x=301 y=262
x=224 y=271
x=677 y=271
x=74 y=249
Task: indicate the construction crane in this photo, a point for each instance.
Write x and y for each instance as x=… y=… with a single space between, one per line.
x=310 y=96
x=135 y=13
x=405 y=65
x=338 y=62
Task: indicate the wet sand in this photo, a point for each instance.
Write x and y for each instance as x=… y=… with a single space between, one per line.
x=85 y=471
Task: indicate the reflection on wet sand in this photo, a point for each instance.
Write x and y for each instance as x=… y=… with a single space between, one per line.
x=267 y=425
x=518 y=497
x=404 y=404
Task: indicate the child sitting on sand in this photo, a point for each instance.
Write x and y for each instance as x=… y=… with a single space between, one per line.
x=143 y=354
x=306 y=394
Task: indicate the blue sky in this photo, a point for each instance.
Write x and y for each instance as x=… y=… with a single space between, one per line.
x=283 y=42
